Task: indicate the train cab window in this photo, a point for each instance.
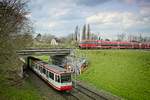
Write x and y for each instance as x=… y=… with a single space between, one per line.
x=57 y=78
x=65 y=78
x=51 y=75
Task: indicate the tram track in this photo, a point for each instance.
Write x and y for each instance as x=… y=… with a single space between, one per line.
x=68 y=96
x=47 y=91
x=89 y=94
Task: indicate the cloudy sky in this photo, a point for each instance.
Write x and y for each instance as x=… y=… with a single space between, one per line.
x=106 y=17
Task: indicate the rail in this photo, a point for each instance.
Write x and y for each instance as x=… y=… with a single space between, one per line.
x=92 y=94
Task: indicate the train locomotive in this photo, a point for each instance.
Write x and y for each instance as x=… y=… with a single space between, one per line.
x=101 y=44
x=57 y=77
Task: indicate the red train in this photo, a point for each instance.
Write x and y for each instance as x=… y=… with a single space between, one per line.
x=112 y=44
x=57 y=77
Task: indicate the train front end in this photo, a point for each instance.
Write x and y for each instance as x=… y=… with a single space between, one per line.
x=66 y=83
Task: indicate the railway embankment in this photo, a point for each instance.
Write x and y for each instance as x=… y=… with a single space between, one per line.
x=93 y=93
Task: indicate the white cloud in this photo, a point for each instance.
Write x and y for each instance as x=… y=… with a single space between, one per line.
x=48 y=24
x=57 y=12
x=53 y=24
x=145 y=10
x=122 y=20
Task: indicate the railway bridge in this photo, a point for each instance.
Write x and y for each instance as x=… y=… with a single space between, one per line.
x=45 y=51
x=54 y=53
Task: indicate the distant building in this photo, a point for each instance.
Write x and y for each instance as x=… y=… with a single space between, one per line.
x=54 y=42
x=38 y=37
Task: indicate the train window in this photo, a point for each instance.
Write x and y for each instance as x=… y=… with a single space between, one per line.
x=36 y=66
x=57 y=78
x=51 y=75
x=32 y=64
x=124 y=45
x=41 y=69
x=109 y=44
x=47 y=73
x=44 y=71
x=65 y=78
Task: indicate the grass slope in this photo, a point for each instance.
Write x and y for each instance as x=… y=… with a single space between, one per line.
x=125 y=73
x=25 y=92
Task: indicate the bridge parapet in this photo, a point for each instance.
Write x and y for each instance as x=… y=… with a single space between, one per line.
x=52 y=51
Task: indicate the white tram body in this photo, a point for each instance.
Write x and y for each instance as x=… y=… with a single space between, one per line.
x=54 y=75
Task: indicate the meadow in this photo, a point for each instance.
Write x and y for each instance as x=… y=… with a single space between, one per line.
x=125 y=73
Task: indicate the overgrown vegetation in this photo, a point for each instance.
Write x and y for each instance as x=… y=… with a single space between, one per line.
x=122 y=72
x=22 y=91
x=15 y=34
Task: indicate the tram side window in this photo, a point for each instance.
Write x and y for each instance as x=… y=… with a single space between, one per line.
x=57 y=78
x=51 y=75
x=36 y=66
x=33 y=65
x=41 y=69
x=44 y=71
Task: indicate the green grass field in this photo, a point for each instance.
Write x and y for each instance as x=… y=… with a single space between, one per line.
x=125 y=73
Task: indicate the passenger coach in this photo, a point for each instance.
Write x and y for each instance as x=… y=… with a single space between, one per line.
x=59 y=78
x=101 y=44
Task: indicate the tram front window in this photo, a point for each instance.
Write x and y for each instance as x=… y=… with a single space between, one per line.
x=65 y=78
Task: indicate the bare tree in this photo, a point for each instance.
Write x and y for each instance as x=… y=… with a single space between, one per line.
x=88 y=32
x=84 y=33
x=133 y=38
x=13 y=22
x=76 y=33
x=121 y=37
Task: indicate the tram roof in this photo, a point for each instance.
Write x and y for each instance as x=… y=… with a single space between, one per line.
x=53 y=68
